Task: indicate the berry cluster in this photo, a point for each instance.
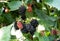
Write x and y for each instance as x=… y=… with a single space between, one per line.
x=32 y=26
x=22 y=11
x=28 y=28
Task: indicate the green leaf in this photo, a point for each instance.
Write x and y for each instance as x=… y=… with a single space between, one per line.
x=6 y=33
x=8 y=18
x=26 y=1
x=1 y=19
x=29 y=1
x=1 y=11
x=54 y=3
x=13 y=40
x=51 y=38
x=35 y=39
x=14 y=5
x=44 y=18
x=36 y=34
x=1 y=4
x=48 y=1
x=43 y=38
x=26 y=40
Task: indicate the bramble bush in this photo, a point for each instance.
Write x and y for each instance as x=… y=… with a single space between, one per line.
x=47 y=12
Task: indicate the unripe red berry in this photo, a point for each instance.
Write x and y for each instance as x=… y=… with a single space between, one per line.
x=19 y=25
x=54 y=32
x=29 y=8
x=6 y=10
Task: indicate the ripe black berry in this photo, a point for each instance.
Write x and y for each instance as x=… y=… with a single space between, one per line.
x=28 y=26
x=22 y=10
x=24 y=30
x=34 y=23
x=30 y=29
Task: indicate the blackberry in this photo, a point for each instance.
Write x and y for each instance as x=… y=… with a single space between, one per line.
x=24 y=30
x=34 y=23
x=28 y=26
x=30 y=29
x=22 y=10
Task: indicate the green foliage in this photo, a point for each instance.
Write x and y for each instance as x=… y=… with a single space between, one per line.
x=6 y=33
x=54 y=3
x=14 y=5
x=48 y=11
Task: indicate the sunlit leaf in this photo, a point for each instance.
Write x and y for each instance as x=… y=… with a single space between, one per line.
x=54 y=3
x=14 y=5
x=6 y=33
x=44 y=18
